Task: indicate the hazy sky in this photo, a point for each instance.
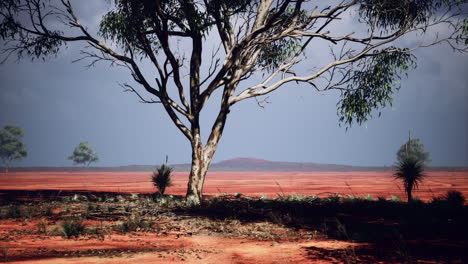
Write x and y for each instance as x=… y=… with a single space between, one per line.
x=59 y=104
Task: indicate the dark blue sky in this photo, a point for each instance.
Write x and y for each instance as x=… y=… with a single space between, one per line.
x=59 y=104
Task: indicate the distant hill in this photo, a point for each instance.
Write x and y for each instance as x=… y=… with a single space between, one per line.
x=238 y=164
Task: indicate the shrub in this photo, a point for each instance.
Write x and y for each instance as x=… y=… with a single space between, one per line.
x=42 y=226
x=13 y=211
x=455 y=198
x=49 y=211
x=395 y=198
x=135 y=223
x=410 y=170
x=161 y=178
x=72 y=228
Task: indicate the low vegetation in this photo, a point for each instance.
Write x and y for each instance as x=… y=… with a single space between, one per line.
x=161 y=178
x=385 y=223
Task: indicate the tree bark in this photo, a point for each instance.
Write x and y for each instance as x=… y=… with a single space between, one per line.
x=200 y=164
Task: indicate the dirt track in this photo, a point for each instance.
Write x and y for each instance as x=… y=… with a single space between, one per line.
x=247 y=183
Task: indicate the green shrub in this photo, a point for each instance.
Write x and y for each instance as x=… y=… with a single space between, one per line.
x=161 y=178
x=72 y=228
x=455 y=198
x=395 y=198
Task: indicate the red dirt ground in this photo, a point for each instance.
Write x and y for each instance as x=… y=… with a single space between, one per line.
x=247 y=183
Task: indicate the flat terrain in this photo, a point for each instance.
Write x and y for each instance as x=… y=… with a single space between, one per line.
x=247 y=183
x=121 y=227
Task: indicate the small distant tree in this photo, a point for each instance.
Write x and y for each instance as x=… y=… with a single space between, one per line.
x=161 y=178
x=11 y=145
x=413 y=147
x=83 y=154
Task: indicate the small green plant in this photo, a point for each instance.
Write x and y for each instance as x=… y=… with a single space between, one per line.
x=135 y=222
x=161 y=178
x=72 y=228
x=395 y=198
x=369 y=197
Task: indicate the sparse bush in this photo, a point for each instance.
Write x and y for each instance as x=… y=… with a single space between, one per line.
x=121 y=199
x=42 y=226
x=161 y=178
x=135 y=222
x=72 y=228
x=455 y=198
x=49 y=210
x=333 y=198
x=395 y=198
x=13 y=211
x=369 y=197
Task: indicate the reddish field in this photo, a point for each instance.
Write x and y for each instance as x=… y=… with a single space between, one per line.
x=247 y=183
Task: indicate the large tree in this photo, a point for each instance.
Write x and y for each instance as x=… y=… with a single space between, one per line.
x=274 y=42
x=11 y=145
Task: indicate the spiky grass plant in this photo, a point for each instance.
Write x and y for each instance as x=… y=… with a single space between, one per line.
x=162 y=178
x=72 y=228
x=410 y=171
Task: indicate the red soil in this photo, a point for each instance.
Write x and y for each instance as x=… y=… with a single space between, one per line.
x=247 y=183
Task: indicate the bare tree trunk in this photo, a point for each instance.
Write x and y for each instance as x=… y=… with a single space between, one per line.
x=200 y=164
x=202 y=156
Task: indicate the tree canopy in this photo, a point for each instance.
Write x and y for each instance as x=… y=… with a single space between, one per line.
x=413 y=148
x=83 y=154
x=11 y=145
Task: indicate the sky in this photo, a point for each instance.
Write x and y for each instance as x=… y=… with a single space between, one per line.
x=59 y=104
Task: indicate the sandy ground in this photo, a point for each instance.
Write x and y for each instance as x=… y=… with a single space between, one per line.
x=247 y=183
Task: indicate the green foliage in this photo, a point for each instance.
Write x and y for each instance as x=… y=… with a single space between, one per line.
x=72 y=228
x=11 y=145
x=83 y=154
x=372 y=86
x=414 y=148
x=410 y=170
x=161 y=178
x=395 y=14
